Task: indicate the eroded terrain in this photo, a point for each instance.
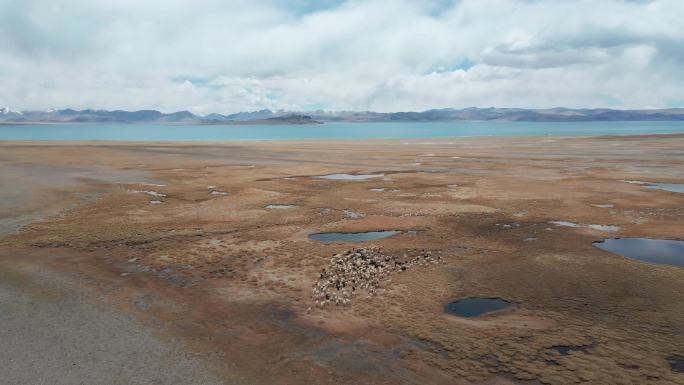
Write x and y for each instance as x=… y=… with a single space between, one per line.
x=182 y=237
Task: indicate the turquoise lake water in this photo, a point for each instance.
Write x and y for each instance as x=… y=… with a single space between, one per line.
x=153 y=132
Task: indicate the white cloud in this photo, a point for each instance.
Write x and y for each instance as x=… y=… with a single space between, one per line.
x=385 y=55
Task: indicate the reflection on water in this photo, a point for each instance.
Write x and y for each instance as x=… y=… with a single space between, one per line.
x=673 y=187
x=475 y=307
x=349 y=176
x=352 y=237
x=331 y=130
x=659 y=251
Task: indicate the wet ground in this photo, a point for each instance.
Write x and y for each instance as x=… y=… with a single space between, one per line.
x=231 y=283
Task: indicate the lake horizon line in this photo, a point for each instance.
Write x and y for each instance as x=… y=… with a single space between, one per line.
x=327 y=131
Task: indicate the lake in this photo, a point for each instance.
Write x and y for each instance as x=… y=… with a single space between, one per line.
x=154 y=132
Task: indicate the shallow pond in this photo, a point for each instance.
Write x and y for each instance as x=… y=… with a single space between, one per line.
x=564 y=350
x=349 y=176
x=659 y=251
x=673 y=187
x=279 y=207
x=676 y=363
x=475 y=307
x=609 y=228
x=352 y=237
x=564 y=224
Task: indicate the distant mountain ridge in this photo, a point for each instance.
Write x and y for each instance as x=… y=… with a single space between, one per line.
x=266 y=116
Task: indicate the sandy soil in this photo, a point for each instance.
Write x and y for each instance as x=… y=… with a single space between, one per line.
x=233 y=281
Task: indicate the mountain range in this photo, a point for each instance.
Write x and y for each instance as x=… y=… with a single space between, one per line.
x=312 y=117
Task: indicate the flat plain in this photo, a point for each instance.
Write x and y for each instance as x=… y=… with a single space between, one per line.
x=160 y=262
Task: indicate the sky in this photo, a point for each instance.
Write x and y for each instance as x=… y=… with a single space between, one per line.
x=227 y=56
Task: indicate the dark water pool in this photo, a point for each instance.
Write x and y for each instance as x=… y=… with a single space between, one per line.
x=352 y=237
x=475 y=307
x=659 y=251
x=564 y=350
x=676 y=363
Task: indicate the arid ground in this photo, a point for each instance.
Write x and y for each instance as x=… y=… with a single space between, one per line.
x=101 y=285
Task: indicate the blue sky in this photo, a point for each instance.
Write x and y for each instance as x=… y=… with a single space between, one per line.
x=384 y=55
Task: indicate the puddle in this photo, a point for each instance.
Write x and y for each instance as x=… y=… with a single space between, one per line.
x=608 y=228
x=155 y=202
x=353 y=214
x=152 y=193
x=508 y=225
x=530 y=239
x=676 y=363
x=564 y=350
x=672 y=187
x=279 y=207
x=604 y=206
x=658 y=251
x=352 y=237
x=564 y=224
x=475 y=307
x=377 y=189
x=218 y=193
x=349 y=176
x=149 y=184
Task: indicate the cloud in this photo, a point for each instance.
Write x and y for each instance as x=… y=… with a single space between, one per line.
x=385 y=55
